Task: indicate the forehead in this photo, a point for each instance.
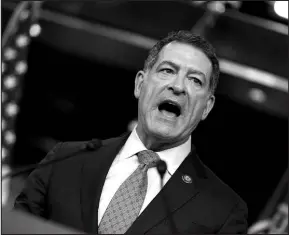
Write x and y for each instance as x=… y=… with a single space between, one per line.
x=186 y=56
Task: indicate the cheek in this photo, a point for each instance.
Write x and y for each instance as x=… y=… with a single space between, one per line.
x=196 y=108
x=145 y=101
x=149 y=95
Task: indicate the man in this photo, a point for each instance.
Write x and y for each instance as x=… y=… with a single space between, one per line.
x=117 y=188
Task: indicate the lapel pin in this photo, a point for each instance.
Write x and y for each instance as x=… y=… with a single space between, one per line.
x=187 y=179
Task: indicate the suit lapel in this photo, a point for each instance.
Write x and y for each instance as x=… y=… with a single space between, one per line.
x=94 y=171
x=176 y=192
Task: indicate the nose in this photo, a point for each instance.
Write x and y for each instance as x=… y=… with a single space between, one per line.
x=178 y=86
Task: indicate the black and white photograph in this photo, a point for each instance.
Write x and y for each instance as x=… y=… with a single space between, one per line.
x=144 y=117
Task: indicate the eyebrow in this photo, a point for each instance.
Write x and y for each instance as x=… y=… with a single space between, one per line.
x=177 y=67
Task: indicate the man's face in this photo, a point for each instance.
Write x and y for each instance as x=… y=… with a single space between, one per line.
x=174 y=95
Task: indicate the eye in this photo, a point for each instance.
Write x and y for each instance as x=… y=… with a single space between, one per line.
x=196 y=80
x=167 y=70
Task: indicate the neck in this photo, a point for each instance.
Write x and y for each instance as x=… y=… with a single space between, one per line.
x=157 y=144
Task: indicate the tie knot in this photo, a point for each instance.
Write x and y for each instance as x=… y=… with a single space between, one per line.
x=148 y=157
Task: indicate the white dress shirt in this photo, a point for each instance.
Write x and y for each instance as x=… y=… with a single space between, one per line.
x=126 y=163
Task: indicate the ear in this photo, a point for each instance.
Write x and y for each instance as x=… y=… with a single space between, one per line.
x=209 y=106
x=139 y=79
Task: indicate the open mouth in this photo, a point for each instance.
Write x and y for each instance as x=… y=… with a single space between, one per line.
x=170 y=108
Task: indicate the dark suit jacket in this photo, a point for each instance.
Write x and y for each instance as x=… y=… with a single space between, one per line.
x=68 y=192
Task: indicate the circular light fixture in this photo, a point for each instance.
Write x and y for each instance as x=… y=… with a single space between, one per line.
x=22 y=41
x=9 y=137
x=217 y=6
x=35 y=30
x=11 y=109
x=281 y=8
x=9 y=53
x=24 y=15
x=10 y=82
x=21 y=67
x=257 y=95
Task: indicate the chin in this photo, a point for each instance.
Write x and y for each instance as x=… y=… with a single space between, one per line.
x=162 y=131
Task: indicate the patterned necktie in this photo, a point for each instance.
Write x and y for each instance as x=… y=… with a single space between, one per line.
x=127 y=202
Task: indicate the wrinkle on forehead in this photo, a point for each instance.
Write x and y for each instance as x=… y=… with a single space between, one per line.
x=186 y=56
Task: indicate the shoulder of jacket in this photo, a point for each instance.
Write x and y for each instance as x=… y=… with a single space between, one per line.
x=70 y=147
x=73 y=145
x=223 y=190
x=113 y=139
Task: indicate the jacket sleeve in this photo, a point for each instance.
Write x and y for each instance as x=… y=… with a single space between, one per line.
x=32 y=198
x=236 y=222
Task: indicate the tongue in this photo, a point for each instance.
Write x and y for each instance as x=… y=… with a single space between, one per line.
x=169 y=114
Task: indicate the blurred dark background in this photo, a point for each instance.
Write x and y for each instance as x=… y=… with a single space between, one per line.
x=80 y=80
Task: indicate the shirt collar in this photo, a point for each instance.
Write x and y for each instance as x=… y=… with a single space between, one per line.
x=173 y=156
